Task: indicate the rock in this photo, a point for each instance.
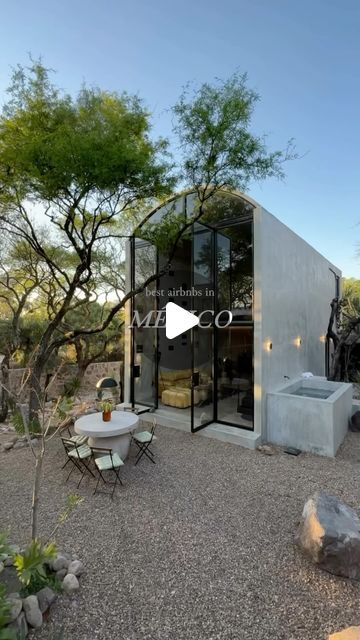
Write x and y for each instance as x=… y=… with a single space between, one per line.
x=329 y=533
x=34 y=441
x=266 y=449
x=70 y=583
x=351 y=633
x=16 y=605
x=60 y=562
x=61 y=574
x=20 y=626
x=46 y=597
x=76 y=567
x=8 y=562
x=32 y=612
x=8 y=445
x=20 y=444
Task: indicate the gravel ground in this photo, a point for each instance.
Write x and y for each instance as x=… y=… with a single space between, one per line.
x=198 y=546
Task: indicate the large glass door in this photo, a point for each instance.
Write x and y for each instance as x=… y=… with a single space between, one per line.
x=144 y=336
x=202 y=387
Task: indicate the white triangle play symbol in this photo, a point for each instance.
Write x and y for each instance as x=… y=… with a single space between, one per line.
x=178 y=320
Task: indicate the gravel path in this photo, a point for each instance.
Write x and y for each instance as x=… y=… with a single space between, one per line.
x=199 y=546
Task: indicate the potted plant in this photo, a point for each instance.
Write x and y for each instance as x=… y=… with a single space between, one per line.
x=106 y=407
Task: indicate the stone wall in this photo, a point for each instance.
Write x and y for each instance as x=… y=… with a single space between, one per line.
x=93 y=373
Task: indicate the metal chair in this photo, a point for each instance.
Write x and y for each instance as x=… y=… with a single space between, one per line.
x=65 y=426
x=108 y=460
x=143 y=440
x=78 y=455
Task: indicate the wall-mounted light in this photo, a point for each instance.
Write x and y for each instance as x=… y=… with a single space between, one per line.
x=322 y=338
x=268 y=345
x=297 y=342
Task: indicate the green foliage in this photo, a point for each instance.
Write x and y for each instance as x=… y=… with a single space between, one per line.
x=5 y=548
x=72 y=387
x=106 y=405
x=38 y=582
x=30 y=565
x=5 y=634
x=51 y=142
x=351 y=296
x=214 y=130
x=18 y=423
x=72 y=501
x=63 y=407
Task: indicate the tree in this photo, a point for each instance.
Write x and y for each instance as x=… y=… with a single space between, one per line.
x=89 y=163
x=344 y=332
x=84 y=162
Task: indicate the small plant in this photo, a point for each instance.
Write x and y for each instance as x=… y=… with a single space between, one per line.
x=106 y=406
x=72 y=386
x=5 y=633
x=31 y=565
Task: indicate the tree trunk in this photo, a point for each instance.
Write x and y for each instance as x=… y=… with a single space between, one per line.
x=4 y=397
x=36 y=492
x=36 y=393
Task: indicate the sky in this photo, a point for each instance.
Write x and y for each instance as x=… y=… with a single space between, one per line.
x=301 y=57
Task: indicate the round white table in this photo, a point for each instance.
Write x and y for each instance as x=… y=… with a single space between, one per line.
x=115 y=434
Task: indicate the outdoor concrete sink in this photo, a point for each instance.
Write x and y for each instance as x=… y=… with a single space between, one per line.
x=310 y=414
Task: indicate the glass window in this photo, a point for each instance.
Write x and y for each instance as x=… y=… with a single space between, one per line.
x=235 y=270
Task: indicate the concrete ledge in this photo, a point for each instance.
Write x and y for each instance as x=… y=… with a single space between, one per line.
x=233 y=435
x=222 y=432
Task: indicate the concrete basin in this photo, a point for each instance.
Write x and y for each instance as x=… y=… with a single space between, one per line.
x=310 y=414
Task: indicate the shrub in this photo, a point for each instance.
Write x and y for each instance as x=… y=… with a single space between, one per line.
x=31 y=566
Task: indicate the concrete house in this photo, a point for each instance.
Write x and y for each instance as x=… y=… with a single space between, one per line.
x=215 y=378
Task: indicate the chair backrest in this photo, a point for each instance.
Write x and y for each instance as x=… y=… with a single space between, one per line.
x=154 y=423
x=69 y=445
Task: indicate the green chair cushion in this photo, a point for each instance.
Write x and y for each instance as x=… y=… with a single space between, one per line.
x=104 y=463
x=143 y=437
x=79 y=439
x=81 y=452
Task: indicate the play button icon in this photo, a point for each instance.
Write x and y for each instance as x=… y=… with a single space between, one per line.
x=178 y=320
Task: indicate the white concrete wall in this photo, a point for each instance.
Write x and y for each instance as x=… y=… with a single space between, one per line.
x=293 y=290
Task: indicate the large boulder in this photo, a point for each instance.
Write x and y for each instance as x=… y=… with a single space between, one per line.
x=32 y=612
x=351 y=633
x=329 y=533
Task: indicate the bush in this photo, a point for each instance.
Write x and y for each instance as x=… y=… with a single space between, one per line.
x=31 y=566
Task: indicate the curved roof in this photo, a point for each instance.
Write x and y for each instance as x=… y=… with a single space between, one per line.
x=191 y=190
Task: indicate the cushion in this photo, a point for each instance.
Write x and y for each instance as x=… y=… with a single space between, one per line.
x=81 y=452
x=104 y=463
x=79 y=439
x=143 y=436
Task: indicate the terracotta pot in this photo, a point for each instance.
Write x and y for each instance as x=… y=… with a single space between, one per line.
x=106 y=416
